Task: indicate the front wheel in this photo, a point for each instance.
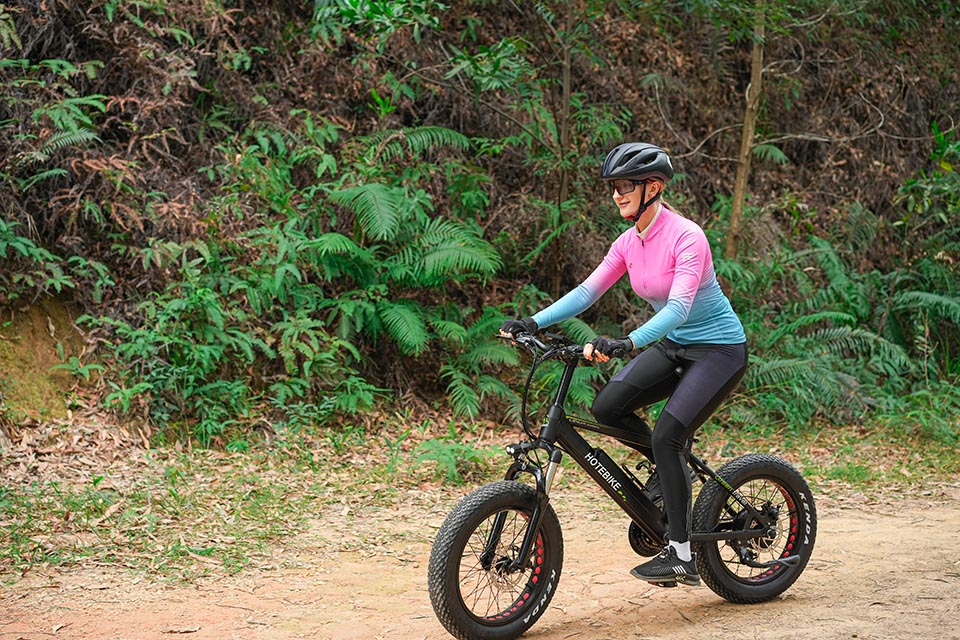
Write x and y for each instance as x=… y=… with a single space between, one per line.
x=477 y=591
x=761 y=567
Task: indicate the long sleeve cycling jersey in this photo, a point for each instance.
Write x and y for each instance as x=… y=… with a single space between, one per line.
x=670 y=267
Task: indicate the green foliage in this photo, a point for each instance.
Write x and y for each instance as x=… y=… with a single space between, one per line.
x=244 y=263
x=71 y=114
x=389 y=146
x=935 y=195
x=468 y=374
x=456 y=461
x=77 y=368
x=377 y=207
x=851 y=472
x=63 y=124
x=859 y=342
x=379 y=19
x=31 y=271
x=342 y=271
x=493 y=68
x=187 y=362
x=770 y=153
x=9 y=38
x=930 y=410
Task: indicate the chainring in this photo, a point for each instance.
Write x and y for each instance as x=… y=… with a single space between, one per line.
x=641 y=543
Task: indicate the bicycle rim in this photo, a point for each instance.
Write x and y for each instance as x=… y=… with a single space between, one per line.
x=765 y=495
x=491 y=593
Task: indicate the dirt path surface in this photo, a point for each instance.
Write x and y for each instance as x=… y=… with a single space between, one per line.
x=881 y=569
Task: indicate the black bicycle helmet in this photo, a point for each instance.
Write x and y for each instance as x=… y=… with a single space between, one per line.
x=637 y=161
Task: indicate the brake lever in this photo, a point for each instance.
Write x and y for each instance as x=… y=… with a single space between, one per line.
x=526 y=340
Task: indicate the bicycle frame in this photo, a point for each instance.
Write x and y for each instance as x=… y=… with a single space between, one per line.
x=559 y=434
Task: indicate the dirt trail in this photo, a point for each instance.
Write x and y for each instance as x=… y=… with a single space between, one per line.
x=881 y=569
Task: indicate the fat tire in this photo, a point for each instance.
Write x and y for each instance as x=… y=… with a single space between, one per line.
x=799 y=530
x=453 y=538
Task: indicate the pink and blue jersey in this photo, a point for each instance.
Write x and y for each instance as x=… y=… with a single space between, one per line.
x=670 y=267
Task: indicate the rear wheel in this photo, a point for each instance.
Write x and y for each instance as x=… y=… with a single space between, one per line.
x=477 y=591
x=761 y=567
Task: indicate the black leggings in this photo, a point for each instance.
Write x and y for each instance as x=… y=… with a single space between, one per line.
x=710 y=373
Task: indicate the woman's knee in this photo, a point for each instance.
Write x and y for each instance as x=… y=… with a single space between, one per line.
x=669 y=435
x=604 y=410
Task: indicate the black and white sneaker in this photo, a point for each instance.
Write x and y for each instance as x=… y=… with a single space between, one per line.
x=667 y=570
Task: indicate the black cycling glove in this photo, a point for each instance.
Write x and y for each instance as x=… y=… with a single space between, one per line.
x=611 y=347
x=523 y=325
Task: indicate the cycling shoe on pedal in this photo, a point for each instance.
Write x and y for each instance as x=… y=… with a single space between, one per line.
x=667 y=570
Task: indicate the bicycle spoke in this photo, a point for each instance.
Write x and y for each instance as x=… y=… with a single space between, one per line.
x=767 y=497
x=488 y=592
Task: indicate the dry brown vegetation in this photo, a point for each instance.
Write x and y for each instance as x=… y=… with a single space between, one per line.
x=196 y=176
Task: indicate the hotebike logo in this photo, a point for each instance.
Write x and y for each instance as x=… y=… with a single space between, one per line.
x=608 y=477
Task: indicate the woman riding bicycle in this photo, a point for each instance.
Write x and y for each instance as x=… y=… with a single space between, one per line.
x=670 y=266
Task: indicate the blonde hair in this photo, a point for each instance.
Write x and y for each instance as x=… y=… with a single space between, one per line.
x=668 y=205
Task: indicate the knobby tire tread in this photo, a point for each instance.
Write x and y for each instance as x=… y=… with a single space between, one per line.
x=473 y=509
x=705 y=514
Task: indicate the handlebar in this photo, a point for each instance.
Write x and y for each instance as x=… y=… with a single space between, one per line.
x=556 y=347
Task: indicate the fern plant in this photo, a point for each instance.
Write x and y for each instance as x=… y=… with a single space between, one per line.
x=853 y=343
x=400 y=255
x=9 y=38
x=57 y=142
x=337 y=270
x=468 y=372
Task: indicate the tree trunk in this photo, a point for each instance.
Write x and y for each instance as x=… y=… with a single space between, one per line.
x=746 y=134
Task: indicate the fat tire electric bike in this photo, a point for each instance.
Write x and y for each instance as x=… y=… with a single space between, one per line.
x=497 y=558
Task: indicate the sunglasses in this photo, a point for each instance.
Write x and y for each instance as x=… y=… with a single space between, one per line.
x=623 y=187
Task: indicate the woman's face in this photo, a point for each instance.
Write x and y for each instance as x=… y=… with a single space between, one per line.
x=629 y=203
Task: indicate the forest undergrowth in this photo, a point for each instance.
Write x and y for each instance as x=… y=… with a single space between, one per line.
x=281 y=227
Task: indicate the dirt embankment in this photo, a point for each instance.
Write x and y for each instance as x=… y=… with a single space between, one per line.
x=33 y=341
x=881 y=569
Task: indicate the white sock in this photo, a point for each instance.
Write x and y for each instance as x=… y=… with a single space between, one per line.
x=683 y=550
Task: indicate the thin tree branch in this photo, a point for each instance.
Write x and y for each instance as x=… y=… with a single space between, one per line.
x=489 y=105
x=663 y=115
x=953 y=127
x=707 y=139
x=467 y=92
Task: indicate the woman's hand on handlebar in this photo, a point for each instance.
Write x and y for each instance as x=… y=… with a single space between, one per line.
x=514 y=328
x=602 y=349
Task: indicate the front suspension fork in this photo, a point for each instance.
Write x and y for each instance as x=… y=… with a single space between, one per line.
x=544 y=481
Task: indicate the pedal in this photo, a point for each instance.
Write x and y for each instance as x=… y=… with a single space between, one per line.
x=666 y=585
